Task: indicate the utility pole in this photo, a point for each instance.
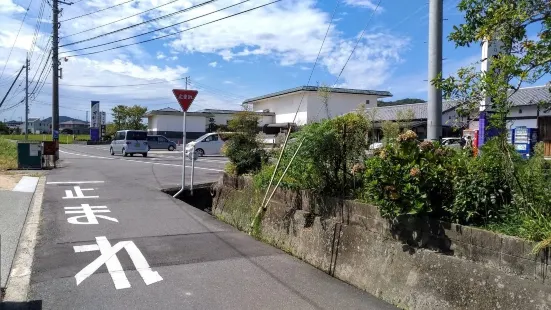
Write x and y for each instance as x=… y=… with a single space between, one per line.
x=187 y=77
x=55 y=75
x=27 y=62
x=55 y=72
x=434 y=106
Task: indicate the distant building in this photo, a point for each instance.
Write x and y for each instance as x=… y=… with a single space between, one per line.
x=74 y=127
x=168 y=121
x=36 y=126
x=284 y=104
x=14 y=124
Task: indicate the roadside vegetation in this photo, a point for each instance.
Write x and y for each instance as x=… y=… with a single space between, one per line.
x=8 y=155
x=63 y=139
x=495 y=189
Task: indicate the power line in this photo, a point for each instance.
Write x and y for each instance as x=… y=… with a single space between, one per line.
x=100 y=10
x=357 y=41
x=128 y=85
x=16 y=37
x=173 y=33
x=142 y=23
x=37 y=28
x=118 y=20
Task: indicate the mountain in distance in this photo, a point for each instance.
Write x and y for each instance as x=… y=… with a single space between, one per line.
x=62 y=119
x=400 y=102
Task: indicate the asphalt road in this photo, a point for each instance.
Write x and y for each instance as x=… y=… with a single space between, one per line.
x=146 y=250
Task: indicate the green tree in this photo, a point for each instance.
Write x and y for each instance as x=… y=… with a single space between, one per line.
x=391 y=130
x=4 y=129
x=243 y=149
x=523 y=27
x=128 y=117
x=324 y=92
x=405 y=118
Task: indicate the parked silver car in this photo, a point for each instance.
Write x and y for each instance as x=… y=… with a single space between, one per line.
x=160 y=142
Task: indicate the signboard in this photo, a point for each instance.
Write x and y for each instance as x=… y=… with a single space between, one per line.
x=33 y=149
x=49 y=148
x=103 y=118
x=55 y=134
x=185 y=97
x=96 y=117
x=94 y=134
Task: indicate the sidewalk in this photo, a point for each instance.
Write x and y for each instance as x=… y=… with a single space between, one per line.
x=15 y=199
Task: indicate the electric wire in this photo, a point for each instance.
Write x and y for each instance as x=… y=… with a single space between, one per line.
x=16 y=37
x=94 y=12
x=170 y=34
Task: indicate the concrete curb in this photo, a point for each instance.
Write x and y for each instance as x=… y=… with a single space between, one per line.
x=20 y=276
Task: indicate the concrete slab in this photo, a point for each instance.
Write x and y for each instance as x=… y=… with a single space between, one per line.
x=13 y=211
x=26 y=185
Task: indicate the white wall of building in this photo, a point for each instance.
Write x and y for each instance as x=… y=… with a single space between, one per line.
x=285 y=108
x=338 y=104
x=175 y=122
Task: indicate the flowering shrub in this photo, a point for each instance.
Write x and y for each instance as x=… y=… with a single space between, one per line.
x=410 y=178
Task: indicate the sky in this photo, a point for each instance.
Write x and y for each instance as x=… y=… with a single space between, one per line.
x=264 y=50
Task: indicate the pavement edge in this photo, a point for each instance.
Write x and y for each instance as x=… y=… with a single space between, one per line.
x=18 y=284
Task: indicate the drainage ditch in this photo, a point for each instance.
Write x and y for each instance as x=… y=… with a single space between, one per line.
x=201 y=198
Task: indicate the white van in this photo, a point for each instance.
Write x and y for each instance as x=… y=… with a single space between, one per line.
x=129 y=142
x=207 y=144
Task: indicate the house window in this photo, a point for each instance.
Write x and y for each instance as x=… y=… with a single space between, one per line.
x=519 y=111
x=367 y=102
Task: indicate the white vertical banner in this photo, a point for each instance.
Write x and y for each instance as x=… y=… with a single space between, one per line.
x=103 y=118
x=95 y=119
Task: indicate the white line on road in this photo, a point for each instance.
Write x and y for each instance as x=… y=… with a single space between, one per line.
x=139 y=161
x=76 y=182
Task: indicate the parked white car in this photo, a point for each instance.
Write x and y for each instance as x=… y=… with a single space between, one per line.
x=129 y=142
x=208 y=144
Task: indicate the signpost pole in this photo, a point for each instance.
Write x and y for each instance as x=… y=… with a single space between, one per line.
x=183 y=158
x=185 y=98
x=192 y=170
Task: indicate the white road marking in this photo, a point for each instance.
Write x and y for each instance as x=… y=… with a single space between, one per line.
x=76 y=182
x=139 y=161
x=88 y=212
x=26 y=185
x=86 y=248
x=109 y=258
x=78 y=192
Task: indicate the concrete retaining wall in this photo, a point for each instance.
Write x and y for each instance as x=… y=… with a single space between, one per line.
x=414 y=263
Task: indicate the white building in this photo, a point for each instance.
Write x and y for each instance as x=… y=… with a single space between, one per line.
x=284 y=104
x=169 y=122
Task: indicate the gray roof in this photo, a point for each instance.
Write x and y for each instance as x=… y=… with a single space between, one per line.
x=205 y=112
x=74 y=122
x=315 y=88
x=524 y=96
x=216 y=111
x=531 y=95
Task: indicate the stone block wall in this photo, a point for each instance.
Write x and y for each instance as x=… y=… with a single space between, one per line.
x=414 y=263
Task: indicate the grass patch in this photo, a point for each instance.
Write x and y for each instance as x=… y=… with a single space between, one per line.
x=8 y=155
x=63 y=139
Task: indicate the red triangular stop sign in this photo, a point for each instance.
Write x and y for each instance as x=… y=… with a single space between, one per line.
x=185 y=97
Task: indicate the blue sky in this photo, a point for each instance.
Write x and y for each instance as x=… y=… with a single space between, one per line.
x=262 y=51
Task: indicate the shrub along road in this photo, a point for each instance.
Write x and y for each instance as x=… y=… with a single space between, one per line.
x=109 y=239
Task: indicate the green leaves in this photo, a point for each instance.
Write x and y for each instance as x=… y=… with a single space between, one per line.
x=127 y=117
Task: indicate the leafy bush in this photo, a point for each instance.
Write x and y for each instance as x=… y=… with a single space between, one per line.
x=481 y=187
x=410 y=178
x=241 y=147
x=328 y=152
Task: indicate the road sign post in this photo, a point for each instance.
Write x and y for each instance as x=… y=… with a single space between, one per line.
x=185 y=97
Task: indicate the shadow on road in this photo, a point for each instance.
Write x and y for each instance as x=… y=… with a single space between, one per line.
x=26 y=305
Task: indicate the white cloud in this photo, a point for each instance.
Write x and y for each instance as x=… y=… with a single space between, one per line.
x=228 y=82
x=213 y=64
x=160 y=55
x=370 y=4
x=7 y=6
